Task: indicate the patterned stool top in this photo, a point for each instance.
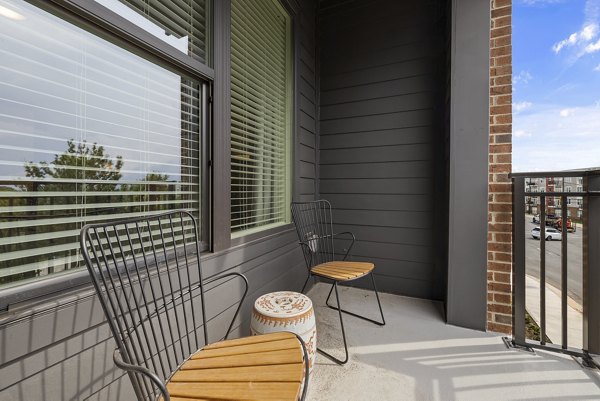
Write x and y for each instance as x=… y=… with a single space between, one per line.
x=283 y=304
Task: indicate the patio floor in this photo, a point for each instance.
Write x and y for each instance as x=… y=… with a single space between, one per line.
x=416 y=356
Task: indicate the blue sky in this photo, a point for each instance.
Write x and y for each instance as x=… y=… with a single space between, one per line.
x=556 y=84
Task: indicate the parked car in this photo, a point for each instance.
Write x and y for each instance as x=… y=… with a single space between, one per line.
x=551 y=234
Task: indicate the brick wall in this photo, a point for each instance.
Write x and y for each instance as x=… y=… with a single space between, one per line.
x=500 y=164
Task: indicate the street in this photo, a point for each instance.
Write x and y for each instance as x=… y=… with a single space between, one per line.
x=553 y=260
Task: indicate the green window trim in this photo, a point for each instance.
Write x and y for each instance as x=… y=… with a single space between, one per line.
x=261 y=116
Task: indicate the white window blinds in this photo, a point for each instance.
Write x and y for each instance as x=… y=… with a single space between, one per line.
x=88 y=132
x=184 y=22
x=261 y=100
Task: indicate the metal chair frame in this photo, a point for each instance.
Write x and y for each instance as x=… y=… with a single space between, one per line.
x=314 y=226
x=147 y=274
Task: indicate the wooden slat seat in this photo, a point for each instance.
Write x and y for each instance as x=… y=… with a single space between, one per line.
x=343 y=270
x=265 y=367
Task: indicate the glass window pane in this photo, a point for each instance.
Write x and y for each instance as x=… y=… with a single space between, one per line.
x=182 y=24
x=88 y=132
x=261 y=93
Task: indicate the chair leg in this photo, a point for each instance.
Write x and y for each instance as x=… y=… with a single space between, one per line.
x=382 y=323
x=304 y=286
x=326 y=354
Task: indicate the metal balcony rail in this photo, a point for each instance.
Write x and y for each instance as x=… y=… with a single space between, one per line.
x=591 y=261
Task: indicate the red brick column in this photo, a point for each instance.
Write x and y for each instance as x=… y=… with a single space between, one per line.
x=500 y=163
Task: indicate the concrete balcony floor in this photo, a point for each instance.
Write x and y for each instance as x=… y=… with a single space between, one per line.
x=416 y=356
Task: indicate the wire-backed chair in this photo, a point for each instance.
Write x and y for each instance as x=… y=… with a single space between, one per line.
x=147 y=275
x=314 y=226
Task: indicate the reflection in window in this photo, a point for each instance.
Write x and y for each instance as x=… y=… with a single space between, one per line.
x=182 y=24
x=88 y=132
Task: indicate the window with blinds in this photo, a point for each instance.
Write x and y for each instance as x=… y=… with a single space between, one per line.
x=261 y=115
x=88 y=132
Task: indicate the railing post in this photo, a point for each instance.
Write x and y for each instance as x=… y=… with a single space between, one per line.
x=591 y=266
x=518 y=290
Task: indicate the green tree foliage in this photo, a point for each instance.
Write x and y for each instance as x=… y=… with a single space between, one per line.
x=78 y=162
x=82 y=169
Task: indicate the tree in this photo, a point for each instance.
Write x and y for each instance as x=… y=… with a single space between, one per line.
x=88 y=167
x=79 y=170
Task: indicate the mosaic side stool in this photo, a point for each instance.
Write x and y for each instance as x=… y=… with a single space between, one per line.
x=286 y=311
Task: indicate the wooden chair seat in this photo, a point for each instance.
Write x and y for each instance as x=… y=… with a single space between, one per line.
x=264 y=367
x=343 y=270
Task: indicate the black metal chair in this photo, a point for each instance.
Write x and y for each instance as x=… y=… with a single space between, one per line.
x=147 y=275
x=314 y=226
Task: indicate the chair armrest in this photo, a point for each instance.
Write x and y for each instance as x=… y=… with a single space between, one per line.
x=143 y=371
x=241 y=301
x=351 y=245
x=306 y=366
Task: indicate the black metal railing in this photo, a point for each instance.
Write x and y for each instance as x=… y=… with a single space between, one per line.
x=590 y=261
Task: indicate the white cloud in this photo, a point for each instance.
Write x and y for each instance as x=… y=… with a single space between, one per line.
x=581 y=38
x=597 y=68
x=539 y=133
x=520 y=106
x=592 y=47
x=535 y=2
x=566 y=112
x=521 y=78
x=589 y=32
x=521 y=134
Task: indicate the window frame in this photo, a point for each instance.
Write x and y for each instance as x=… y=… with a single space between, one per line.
x=104 y=23
x=291 y=7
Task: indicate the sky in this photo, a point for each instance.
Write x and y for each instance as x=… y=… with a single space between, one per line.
x=556 y=84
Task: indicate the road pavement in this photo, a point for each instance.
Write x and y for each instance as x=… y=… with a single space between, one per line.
x=553 y=260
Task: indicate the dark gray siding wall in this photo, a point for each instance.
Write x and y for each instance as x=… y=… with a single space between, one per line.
x=381 y=138
x=306 y=99
x=62 y=350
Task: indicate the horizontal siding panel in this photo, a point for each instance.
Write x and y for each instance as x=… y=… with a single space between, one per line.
x=306 y=154
x=348 y=15
x=307 y=106
x=304 y=197
x=399 y=136
x=357 y=61
x=395 y=285
x=376 y=47
x=420 y=186
x=386 y=170
x=389 y=251
x=378 y=122
x=387 y=72
x=417 y=203
x=413 y=101
x=400 y=268
x=306 y=89
x=395 y=235
x=307 y=66
x=306 y=170
x=383 y=218
x=306 y=186
x=306 y=73
x=307 y=138
x=405 y=286
x=307 y=122
x=403 y=86
x=378 y=154
x=419 y=169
